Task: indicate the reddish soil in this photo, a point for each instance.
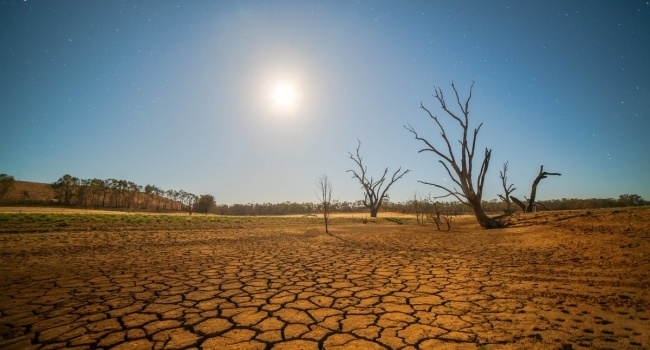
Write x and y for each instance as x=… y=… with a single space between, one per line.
x=553 y=280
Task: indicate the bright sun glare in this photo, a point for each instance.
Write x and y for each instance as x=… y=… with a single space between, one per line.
x=285 y=96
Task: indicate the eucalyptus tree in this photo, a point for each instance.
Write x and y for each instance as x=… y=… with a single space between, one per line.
x=96 y=189
x=124 y=193
x=507 y=189
x=374 y=194
x=83 y=189
x=191 y=202
x=133 y=193
x=417 y=205
x=187 y=200
x=158 y=194
x=324 y=194
x=530 y=207
x=205 y=204
x=113 y=189
x=7 y=182
x=168 y=198
x=64 y=188
x=148 y=195
x=108 y=192
x=459 y=163
x=533 y=191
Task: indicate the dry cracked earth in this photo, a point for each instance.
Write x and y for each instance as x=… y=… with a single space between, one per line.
x=552 y=281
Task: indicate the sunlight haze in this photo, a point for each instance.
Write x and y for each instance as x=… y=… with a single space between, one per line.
x=285 y=98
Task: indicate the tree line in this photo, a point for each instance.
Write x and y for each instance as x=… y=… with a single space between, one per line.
x=289 y=208
x=419 y=205
x=122 y=194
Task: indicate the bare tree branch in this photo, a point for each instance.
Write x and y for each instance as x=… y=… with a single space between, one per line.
x=373 y=196
x=519 y=203
x=325 y=197
x=508 y=189
x=533 y=192
x=462 y=174
x=455 y=193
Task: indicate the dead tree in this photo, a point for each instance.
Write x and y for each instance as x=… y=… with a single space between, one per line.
x=438 y=218
x=418 y=207
x=506 y=188
x=519 y=203
x=373 y=194
x=528 y=208
x=533 y=192
x=459 y=164
x=324 y=187
x=539 y=204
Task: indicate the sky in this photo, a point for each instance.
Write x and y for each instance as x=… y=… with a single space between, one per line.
x=252 y=101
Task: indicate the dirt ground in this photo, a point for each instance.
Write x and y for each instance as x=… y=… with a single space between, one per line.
x=552 y=280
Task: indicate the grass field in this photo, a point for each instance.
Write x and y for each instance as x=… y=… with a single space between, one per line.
x=552 y=280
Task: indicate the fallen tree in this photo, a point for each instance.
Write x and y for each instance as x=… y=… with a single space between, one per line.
x=528 y=208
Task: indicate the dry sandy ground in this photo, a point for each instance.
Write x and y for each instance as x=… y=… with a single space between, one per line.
x=554 y=280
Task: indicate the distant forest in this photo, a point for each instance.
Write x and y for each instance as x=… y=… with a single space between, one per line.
x=71 y=191
x=411 y=206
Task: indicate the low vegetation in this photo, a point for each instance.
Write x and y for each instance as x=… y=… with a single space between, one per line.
x=72 y=221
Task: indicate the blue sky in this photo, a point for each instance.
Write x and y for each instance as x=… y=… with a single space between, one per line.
x=178 y=93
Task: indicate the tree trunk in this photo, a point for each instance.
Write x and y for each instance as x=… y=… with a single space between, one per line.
x=533 y=192
x=373 y=212
x=485 y=221
x=519 y=203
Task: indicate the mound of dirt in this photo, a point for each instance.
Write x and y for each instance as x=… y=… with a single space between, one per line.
x=31 y=192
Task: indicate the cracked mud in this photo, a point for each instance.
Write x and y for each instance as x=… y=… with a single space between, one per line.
x=552 y=281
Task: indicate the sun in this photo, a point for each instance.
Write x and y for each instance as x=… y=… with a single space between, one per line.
x=284 y=95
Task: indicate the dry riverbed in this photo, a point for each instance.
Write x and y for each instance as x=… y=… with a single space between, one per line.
x=553 y=280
